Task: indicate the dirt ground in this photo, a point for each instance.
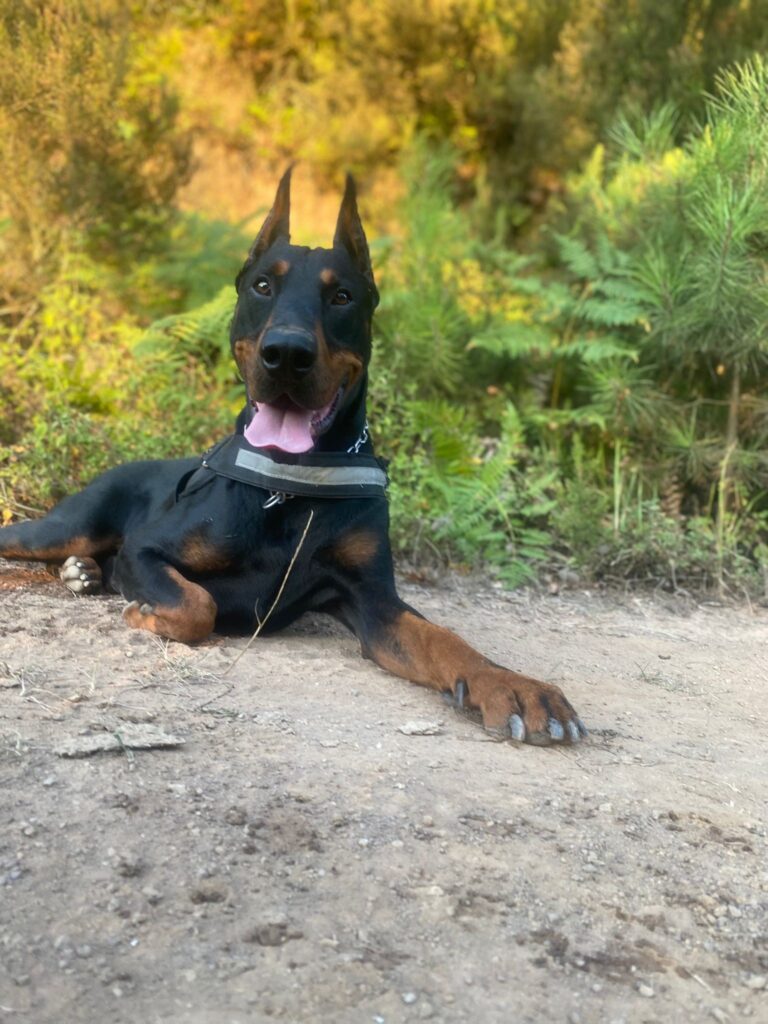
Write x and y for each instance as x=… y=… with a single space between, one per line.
x=301 y=859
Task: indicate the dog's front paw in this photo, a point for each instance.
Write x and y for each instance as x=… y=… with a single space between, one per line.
x=190 y=621
x=140 y=616
x=524 y=709
x=81 y=575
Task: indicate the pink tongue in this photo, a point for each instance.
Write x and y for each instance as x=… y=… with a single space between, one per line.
x=286 y=429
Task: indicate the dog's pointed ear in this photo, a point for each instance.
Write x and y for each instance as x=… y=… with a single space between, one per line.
x=277 y=224
x=350 y=234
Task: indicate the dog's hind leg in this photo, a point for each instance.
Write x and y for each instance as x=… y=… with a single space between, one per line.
x=84 y=530
x=67 y=537
x=70 y=529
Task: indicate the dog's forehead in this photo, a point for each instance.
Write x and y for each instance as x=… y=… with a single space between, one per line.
x=319 y=262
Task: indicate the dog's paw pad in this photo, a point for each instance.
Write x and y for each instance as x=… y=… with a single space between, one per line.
x=81 y=575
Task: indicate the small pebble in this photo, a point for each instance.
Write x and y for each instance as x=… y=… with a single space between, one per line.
x=409 y=998
x=235 y=816
x=271 y=933
x=129 y=865
x=756 y=981
x=645 y=990
x=207 y=893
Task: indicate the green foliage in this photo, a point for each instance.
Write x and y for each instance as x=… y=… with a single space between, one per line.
x=84 y=391
x=522 y=91
x=692 y=223
x=88 y=142
x=195 y=258
x=454 y=496
x=660 y=551
x=425 y=340
x=596 y=398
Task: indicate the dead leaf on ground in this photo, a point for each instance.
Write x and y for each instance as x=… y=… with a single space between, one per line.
x=132 y=736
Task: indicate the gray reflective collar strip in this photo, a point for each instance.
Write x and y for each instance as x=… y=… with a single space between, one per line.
x=282 y=477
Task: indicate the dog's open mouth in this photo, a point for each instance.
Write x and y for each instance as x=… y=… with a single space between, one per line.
x=288 y=427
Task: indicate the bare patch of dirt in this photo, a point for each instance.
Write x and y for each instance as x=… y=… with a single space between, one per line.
x=299 y=858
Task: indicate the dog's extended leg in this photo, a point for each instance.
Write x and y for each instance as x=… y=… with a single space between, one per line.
x=401 y=641
x=86 y=529
x=54 y=538
x=67 y=535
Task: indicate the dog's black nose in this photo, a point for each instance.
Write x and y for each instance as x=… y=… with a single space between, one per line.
x=288 y=353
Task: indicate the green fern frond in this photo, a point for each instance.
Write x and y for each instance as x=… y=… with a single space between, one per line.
x=577 y=258
x=513 y=341
x=201 y=332
x=598 y=349
x=613 y=312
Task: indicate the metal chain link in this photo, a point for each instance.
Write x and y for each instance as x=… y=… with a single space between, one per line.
x=354 y=449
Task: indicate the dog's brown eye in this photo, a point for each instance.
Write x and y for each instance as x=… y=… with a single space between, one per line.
x=262 y=286
x=342 y=297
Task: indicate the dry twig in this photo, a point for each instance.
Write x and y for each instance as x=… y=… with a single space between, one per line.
x=262 y=622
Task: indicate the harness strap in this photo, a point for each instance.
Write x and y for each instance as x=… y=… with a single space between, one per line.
x=311 y=474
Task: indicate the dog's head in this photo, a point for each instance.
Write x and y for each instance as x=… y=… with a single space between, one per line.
x=301 y=333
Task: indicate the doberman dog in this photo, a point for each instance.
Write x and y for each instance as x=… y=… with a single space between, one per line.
x=201 y=545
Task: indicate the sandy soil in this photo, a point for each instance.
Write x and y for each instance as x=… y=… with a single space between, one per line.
x=301 y=859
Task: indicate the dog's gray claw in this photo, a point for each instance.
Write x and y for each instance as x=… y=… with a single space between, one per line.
x=460 y=693
x=581 y=727
x=556 y=730
x=516 y=728
x=573 y=731
x=146 y=609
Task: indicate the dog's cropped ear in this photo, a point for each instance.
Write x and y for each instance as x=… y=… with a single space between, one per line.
x=277 y=225
x=350 y=234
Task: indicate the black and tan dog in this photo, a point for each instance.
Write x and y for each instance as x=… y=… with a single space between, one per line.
x=197 y=546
